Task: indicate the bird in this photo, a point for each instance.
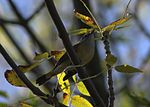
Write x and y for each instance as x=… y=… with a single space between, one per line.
x=85 y=50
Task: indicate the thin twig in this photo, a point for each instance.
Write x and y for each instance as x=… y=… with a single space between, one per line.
x=109 y=68
x=21 y=75
x=15 y=44
x=36 y=12
x=71 y=52
x=9 y=21
x=47 y=98
x=26 y=26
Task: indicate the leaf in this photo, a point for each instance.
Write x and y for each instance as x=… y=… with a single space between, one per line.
x=3 y=94
x=121 y=27
x=81 y=31
x=78 y=101
x=127 y=69
x=58 y=54
x=81 y=87
x=64 y=85
x=115 y=24
x=23 y=104
x=85 y=19
x=66 y=99
x=13 y=79
x=44 y=55
x=111 y=59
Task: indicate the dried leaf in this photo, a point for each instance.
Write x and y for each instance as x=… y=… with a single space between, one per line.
x=115 y=24
x=111 y=59
x=66 y=99
x=13 y=79
x=85 y=19
x=127 y=69
x=57 y=54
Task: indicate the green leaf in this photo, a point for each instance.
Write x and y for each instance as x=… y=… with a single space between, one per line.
x=127 y=69
x=81 y=31
x=81 y=87
x=111 y=59
x=3 y=94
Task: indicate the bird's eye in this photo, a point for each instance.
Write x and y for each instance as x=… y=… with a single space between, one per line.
x=128 y=14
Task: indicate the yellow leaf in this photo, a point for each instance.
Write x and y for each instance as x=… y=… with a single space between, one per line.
x=64 y=85
x=115 y=23
x=78 y=101
x=23 y=104
x=13 y=79
x=81 y=31
x=41 y=56
x=57 y=54
x=66 y=99
x=81 y=87
x=85 y=19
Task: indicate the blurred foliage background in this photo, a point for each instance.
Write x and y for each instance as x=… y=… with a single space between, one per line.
x=131 y=44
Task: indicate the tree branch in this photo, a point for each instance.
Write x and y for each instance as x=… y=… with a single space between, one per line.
x=9 y=21
x=94 y=66
x=15 y=44
x=47 y=98
x=36 y=12
x=24 y=23
x=21 y=75
x=71 y=52
x=109 y=68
